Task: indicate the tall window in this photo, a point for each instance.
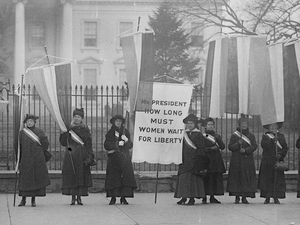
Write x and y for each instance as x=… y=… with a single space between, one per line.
x=197 y=35
x=124 y=27
x=90 y=32
x=37 y=35
x=90 y=79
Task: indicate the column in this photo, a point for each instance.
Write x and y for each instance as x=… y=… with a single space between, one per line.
x=67 y=27
x=19 y=64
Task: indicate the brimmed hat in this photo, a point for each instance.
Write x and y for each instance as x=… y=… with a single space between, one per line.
x=30 y=116
x=193 y=118
x=209 y=119
x=279 y=125
x=79 y=112
x=114 y=118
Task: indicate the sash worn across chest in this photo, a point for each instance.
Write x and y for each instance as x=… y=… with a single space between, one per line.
x=32 y=135
x=211 y=138
x=76 y=138
x=188 y=141
x=272 y=136
x=245 y=138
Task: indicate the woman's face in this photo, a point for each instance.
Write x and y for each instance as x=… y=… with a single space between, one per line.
x=77 y=119
x=118 y=123
x=273 y=127
x=30 y=123
x=190 y=125
x=244 y=125
x=210 y=126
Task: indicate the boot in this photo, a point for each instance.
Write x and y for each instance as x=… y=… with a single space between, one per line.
x=191 y=201
x=79 y=202
x=123 y=201
x=33 y=204
x=267 y=201
x=237 y=200
x=182 y=201
x=214 y=200
x=112 y=201
x=244 y=200
x=276 y=201
x=23 y=202
x=73 y=200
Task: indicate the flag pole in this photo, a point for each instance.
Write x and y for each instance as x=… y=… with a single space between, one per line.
x=156 y=185
x=275 y=172
x=18 y=153
x=138 y=26
x=47 y=56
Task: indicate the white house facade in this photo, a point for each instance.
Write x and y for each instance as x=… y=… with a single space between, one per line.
x=86 y=32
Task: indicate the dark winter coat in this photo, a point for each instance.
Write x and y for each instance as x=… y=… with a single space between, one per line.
x=192 y=158
x=81 y=157
x=33 y=169
x=119 y=171
x=189 y=183
x=267 y=171
x=242 y=174
x=216 y=164
x=298 y=185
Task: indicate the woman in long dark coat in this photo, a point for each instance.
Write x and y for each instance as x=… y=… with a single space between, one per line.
x=34 y=175
x=213 y=182
x=242 y=176
x=76 y=172
x=189 y=184
x=119 y=181
x=298 y=185
x=267 y=174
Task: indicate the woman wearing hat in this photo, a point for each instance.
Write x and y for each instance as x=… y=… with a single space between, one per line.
x=270 y=182
x=189 y=184
x=76 y=172
x=34 y=175
x=242 y=175
x=213 y=182
x=119 y=181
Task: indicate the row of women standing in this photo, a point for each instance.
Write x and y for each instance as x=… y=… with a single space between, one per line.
x=201 y=172
x=200 y=175
x=76 y=172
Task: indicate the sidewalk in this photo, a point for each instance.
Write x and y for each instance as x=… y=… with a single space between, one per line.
x=54 y=209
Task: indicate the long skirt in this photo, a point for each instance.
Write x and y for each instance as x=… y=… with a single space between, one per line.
x=33 y=193
x=213 y=183
x=189 y=185
x=80 y=191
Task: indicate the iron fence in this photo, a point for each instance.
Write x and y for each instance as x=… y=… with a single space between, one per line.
x=100 y=104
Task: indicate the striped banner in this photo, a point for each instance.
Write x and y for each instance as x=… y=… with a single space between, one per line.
x=272 y=94
x=292 y=81
x=236 y=67
x=138 y=51
x=51 y=82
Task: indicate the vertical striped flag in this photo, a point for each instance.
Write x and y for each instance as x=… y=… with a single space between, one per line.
x=272 y=109
x=52 y=83
x=138 y=51
x=292 y=81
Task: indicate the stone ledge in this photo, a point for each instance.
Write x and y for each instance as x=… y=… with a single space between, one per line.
x=146 y=181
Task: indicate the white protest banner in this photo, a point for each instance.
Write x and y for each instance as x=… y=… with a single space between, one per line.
x=158 y=131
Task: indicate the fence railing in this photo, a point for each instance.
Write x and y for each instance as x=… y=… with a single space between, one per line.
x=100 y=104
